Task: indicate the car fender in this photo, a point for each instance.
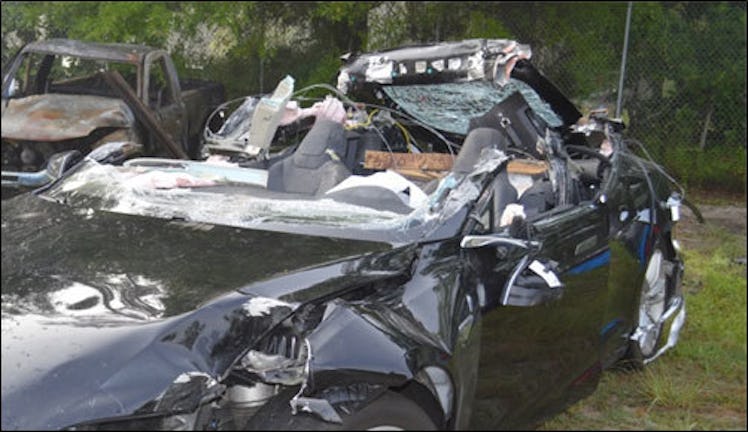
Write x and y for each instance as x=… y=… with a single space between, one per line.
x=355 y=356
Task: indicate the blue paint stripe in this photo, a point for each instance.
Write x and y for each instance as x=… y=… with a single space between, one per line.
x=643 y=245
x=591 y=264
x=609 y=326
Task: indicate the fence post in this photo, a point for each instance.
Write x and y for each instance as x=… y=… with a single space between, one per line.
x=623 y=61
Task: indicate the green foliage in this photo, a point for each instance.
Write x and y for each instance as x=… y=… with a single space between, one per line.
x=323 y=71
x=348 y=12
x=699 y=52
x=483 y=26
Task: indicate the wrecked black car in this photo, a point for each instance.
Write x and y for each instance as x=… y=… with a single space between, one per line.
x=441 y=242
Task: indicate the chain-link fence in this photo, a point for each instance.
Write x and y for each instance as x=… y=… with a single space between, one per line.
x=684 y=88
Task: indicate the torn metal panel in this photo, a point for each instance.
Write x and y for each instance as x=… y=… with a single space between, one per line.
x=187 y=392
x=457 y=190
x=371 y=356
x=469 y=60
x=317 y=406
x=115 y=189
x=390 y=337
x=329 y=364
x=58 y=117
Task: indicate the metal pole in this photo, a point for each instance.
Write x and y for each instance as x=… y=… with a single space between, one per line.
x=623 y=60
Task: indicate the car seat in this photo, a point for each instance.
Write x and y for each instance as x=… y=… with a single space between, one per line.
x=316 y=164
x=478 y=139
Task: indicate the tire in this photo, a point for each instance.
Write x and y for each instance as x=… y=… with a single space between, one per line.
x=653 y=302
x=390 y=411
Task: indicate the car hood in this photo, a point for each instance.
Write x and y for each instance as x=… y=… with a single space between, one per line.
x=58 y=117
x=102 y=312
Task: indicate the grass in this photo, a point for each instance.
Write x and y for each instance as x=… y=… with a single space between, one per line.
x=701 y=383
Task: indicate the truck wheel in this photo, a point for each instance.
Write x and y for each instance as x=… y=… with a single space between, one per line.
x=390 y=411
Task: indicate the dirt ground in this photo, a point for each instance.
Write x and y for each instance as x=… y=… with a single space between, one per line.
x=731 y=218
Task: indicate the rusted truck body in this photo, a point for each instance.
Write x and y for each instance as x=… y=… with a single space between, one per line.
x=58 y=95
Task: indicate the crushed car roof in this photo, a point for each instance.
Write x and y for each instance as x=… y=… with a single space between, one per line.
x=471 y=60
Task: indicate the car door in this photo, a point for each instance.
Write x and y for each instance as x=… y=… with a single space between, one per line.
x=628 y=201
x=542 y=300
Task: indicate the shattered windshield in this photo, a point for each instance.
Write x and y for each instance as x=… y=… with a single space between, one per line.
x=450 y=106
x=246 y=203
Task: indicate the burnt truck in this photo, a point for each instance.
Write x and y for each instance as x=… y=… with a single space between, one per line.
x=67 y=98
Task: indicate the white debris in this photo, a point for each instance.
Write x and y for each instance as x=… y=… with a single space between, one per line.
x=510 y=212
x=259 y=306
x=189 y=376
x=407 y=191
x=380 y=70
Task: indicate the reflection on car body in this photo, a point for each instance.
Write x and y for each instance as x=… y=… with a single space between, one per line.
x=346 y=273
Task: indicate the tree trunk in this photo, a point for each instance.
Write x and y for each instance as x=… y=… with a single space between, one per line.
x=707 y=123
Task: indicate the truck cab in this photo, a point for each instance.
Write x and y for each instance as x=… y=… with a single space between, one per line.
x=56 y=97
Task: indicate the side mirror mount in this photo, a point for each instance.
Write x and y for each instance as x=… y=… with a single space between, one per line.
x=478 y=241
x=532 y=284
x=531 y=291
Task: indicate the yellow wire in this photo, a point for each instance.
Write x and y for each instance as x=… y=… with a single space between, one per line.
x=368 y=121
x=369 y=118
x=371 y=115
x=405 y=134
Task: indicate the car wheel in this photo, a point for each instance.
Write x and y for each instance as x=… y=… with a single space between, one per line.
x=653 y=303
x=390 y=411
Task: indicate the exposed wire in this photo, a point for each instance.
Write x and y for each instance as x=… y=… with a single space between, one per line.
x=330 y=88
x=387 y=144
x=656 y=165
x=406 y=135
x=354 y=105
x=360 y=125
x=450 y=145
x=370 y=117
